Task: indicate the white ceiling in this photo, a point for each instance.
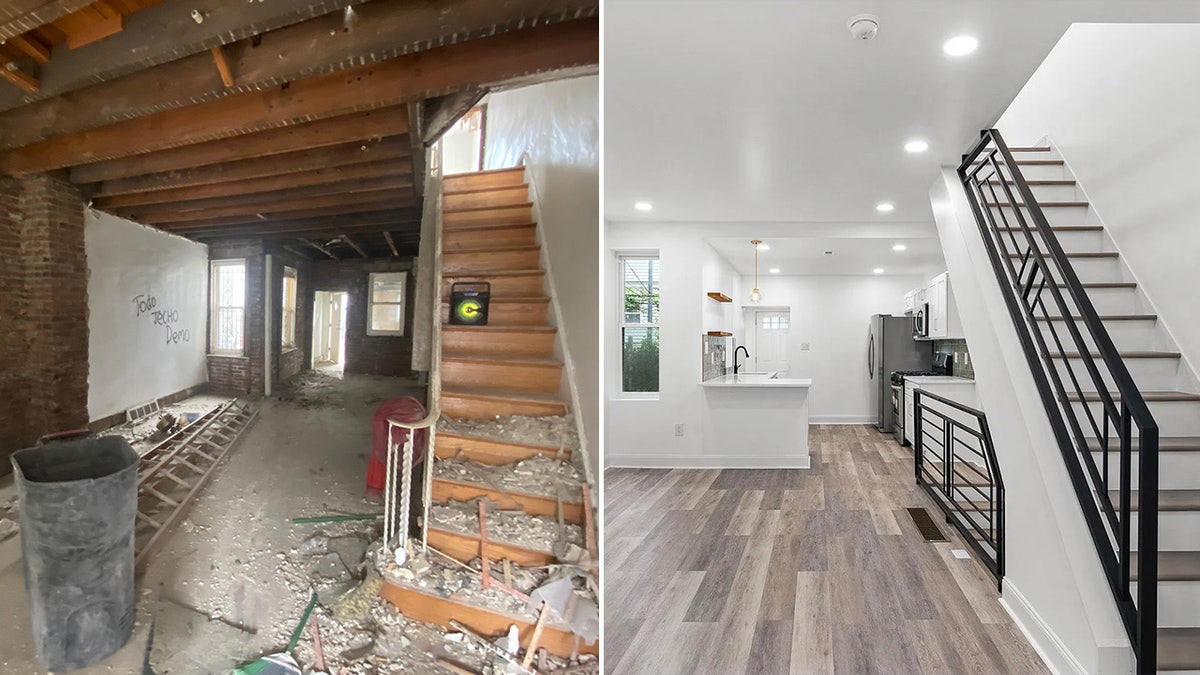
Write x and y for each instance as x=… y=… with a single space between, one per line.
x=850 y=255
x=755 y=111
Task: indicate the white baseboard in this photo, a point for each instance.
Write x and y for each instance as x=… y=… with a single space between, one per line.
x=841 y=419
x=704 y=462
x=1112 y=660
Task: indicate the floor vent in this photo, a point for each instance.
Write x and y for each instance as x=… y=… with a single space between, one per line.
x=925 y=525
x=141 y=411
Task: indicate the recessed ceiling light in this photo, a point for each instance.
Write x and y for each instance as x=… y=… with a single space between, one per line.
x=960 y=45
x=642 y=206
x=774 y=270
x=916 y=145
x=878 y=270
x=884 y=207
x=899 y=247
x=764 y=247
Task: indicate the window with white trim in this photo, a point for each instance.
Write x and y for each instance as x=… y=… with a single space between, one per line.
x=385 y=303
x=640 y=279
x=288 y=317
x=227 y=307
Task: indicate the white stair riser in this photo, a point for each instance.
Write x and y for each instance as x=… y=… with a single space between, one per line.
x=1125 y=335
x=1113 y=301
x=1148 y=374
x=1177 y=530
x=1054 y=193
x=1178 y=603
x=1177 y=418
x=1076 y=241
x=1177 y=470
x=1088 y=269
x=1040 y=171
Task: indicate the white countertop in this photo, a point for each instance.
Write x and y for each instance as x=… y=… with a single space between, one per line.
x=758 y=380
x=938 y=379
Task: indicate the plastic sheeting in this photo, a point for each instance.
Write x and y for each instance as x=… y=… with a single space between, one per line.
x=557 y=123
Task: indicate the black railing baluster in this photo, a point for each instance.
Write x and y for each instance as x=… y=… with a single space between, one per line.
x=1109 y=523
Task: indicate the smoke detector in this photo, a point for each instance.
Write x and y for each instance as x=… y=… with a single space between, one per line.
x=863 y=26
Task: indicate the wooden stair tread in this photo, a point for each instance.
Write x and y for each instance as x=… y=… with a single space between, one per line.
x=487 y=392
x=493 y=188
x=484 y=172
x=465 y=548
x=1124 y=355
x=1150 y=396
x=498 y=329
x=490 y=207
x=1178 y=649
x=1168 y=500
x=518 y=299
x=1047 y=204
x=450 y=489
x=1058 y=228
x=449 y=444
x=495 y=273
x=1172 y=566
x=1031 y=162
x=576 y=499
x=1165 y=444
x=506 y=360
x=1075 y=254
x=1029 y=148
x=492 y=248
x=1038 y=181
x=1109 y=317
x=485 y=227
x=1105 y=284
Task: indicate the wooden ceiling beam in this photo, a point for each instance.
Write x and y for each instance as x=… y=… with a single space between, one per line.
x=96 y=31
x=268 y=184
x=412 y=77
x=29 y=44
x=169 y=215
x=358 y=249
x=289 y=215
x=268 y=232
x=223 y=67
x=256 y=202
x=320 y=248
x=443 y=112
x=322 y=133
x=22 y=16
x=393 y=219
x=385 y=29
x=416 y=120
x=10 y=71
x=387 y=236
x=395 y=148
x=167 y=32
x=295 y=251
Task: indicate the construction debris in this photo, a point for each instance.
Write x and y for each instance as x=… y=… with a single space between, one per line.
x=556 y=432
x=517 y=528
x=145 y=432
x=8 y=528
x=538 y=475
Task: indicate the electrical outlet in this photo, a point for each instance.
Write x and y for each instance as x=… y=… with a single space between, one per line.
x=803 y=346
x=678 y=429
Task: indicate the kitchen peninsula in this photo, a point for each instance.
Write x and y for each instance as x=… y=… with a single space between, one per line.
x=756 y=421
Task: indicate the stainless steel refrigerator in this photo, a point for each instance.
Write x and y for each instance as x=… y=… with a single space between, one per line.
x=891 y=347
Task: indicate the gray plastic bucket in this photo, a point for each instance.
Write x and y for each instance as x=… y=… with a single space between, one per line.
x=78 y=501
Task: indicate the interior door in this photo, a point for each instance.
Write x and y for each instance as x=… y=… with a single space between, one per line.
x=320 y=326
x=337 y=302
x=770 y=338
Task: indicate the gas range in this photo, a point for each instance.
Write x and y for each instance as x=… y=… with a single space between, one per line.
x=899 y=375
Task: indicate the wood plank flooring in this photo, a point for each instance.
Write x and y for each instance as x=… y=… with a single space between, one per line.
x=795 y=571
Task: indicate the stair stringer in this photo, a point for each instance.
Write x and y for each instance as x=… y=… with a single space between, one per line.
x=1055 y=587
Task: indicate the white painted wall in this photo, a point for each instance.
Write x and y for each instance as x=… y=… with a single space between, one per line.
x=1121 y=102
x=830 y=312
x=147 y=305
x=555 y=128
x=833 y=315
x=1054 y=585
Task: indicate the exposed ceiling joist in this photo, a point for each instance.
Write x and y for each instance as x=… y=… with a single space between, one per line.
x=384 y=30
x=443 y=112
x=358 y=152
x=256 y=202
x=387 y=236
x=31 y=46
x=320 y=248
x=358 y=249
x=223 y=67
x=166 y=33
x=112 y=23
x=10 y=71
x=376 y=221
x=472 y=63
x=268 y=184
x=22 y=16
x=274 y=234
x=332 y=131
x=289 y=214
x=295 y=251
x=416 y=120
x=168 y=215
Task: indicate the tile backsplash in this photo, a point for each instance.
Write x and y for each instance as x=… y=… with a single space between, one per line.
x=713 y=356
x=963 y=366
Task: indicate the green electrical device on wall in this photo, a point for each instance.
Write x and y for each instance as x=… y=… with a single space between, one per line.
x=469 y=303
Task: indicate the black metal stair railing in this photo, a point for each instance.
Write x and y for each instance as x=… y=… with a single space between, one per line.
x=1068 y=348
x=955 y=463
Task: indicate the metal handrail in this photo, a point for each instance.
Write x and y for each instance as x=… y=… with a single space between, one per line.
x=1032 y=291
x=961 y=507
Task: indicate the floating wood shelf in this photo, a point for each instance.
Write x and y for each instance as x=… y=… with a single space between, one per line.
x=719 y=297
x=719 y=333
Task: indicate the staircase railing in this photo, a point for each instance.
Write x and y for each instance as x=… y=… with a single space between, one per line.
x=1068 y=347
x=955 y=463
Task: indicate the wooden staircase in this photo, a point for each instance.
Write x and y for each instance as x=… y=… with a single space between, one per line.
x=1167 y=382
x=506 y=368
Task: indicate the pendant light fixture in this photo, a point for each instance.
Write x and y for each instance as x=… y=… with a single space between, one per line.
x=755 y=295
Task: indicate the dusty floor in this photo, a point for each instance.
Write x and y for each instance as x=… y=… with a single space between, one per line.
x=237 y=557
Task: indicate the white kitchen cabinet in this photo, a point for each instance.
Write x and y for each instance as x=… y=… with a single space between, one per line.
x=957 y=389
x=943 y=312
x=910 y=301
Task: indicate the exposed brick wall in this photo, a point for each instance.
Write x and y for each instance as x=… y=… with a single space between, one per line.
x=290 y=361
x=242 y=374
x=44 y=314
x=373 y=355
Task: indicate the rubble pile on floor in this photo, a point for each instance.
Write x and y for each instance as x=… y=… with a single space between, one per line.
x=554 y=432
x=142 y=434
x=10 y=518
x=511 y=527
x=538 y=475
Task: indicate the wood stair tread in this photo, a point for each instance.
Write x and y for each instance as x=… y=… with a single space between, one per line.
x=1029 y=148
x=1075 y=254
x=1108 y=317
x=478 y=448
x=484 y=172
x=493 y=301
x=477 y=227
x=1038 y=181
x=1172 y=566
x=468 y=209
x=1165 y=444
x=488 y=392
x=493 y=188
x=1105 y=284
x=495 y=273
x=1168 y=500
x=498 y=329
x=577 y=499
x=1058 y=228
x=1150 y=396
x=1178 y=649
x=491 y=248
x=1031 y=162
x=1124 y=355
x=1046 y=204
x=505 y=360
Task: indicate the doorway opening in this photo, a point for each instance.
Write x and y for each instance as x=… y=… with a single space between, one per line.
x=770 y=335
x=329 y=331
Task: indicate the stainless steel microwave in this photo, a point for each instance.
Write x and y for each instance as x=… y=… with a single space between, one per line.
x=920 y=319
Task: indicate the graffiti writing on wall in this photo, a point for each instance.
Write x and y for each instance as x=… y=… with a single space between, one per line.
x=147 y=305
